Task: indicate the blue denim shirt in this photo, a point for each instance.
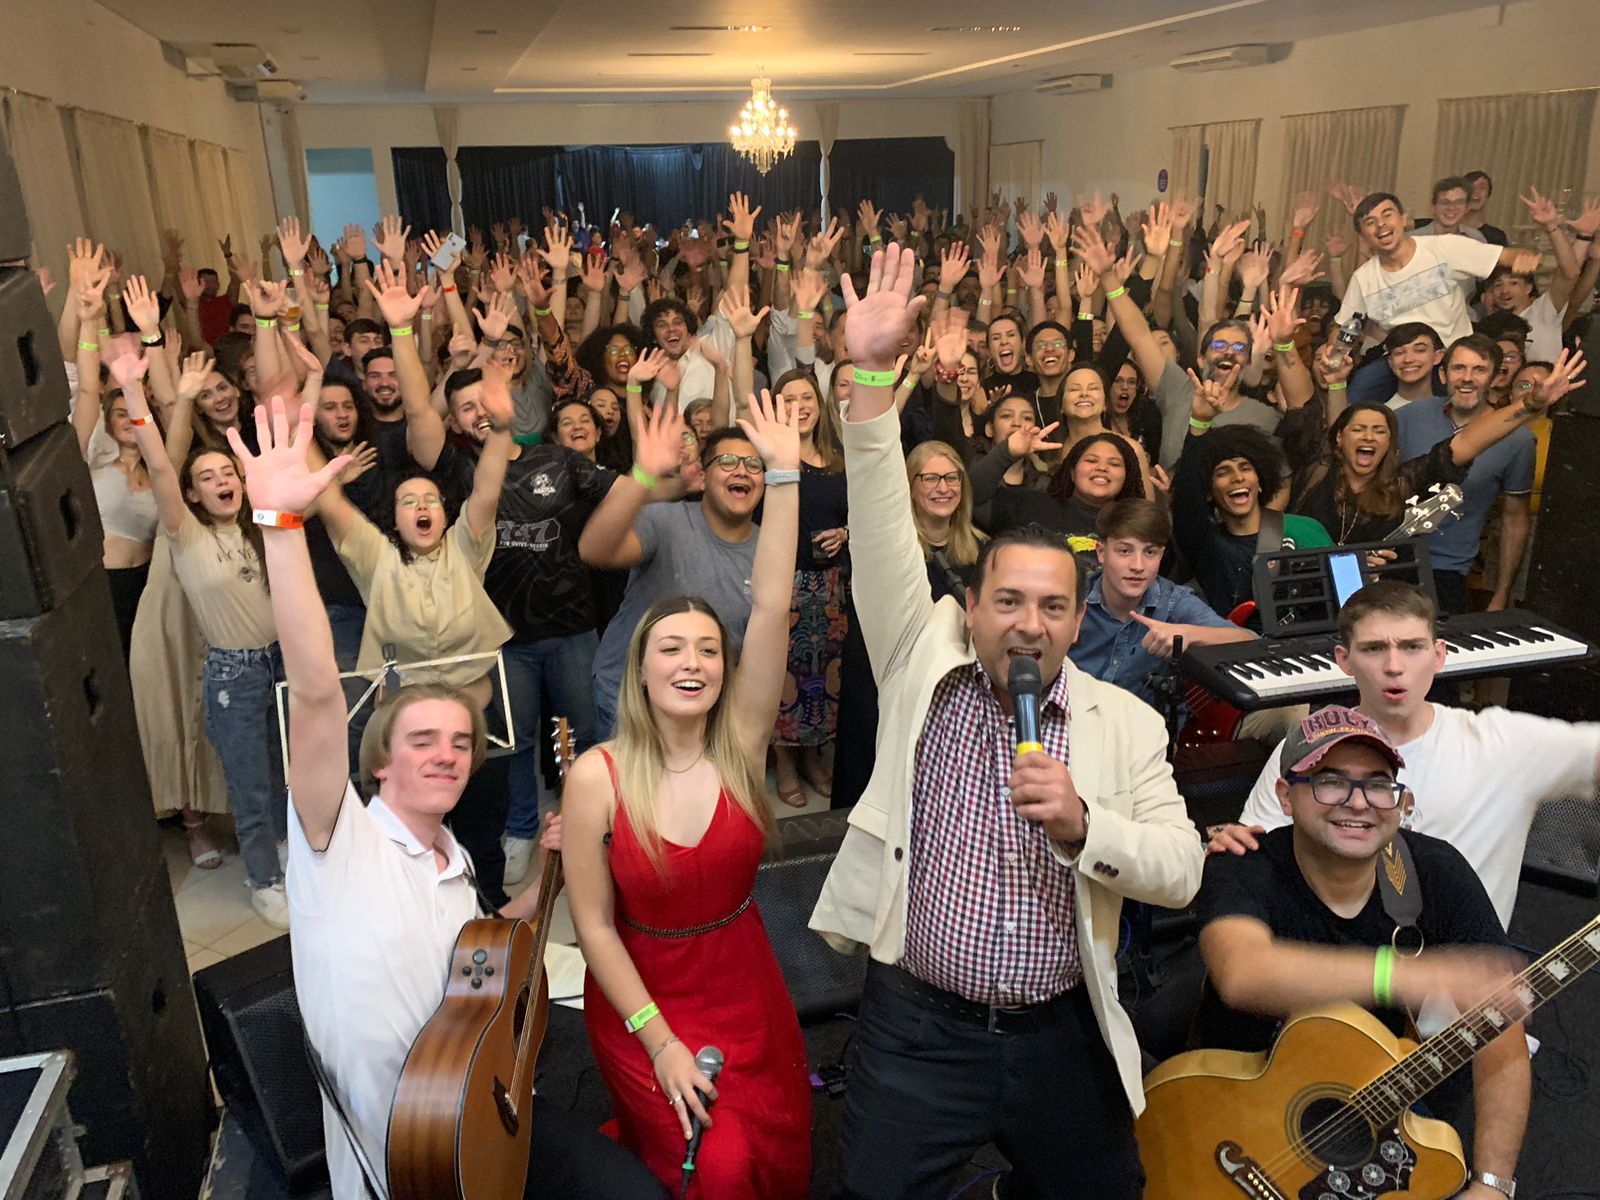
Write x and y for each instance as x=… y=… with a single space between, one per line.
x=1110 y=649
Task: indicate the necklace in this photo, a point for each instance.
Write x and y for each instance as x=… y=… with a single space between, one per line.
x=1347 y=523
x=681 y=770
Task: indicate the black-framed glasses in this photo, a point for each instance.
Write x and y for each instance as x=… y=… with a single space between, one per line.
x=730 y=462
x=934 y=478
x=1335 y=790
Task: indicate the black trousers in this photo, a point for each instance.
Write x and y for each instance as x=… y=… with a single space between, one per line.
x=927 y=1090
x=479 y=819
x=572 y=1160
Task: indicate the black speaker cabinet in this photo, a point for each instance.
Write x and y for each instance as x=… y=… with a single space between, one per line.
x=15 y=240
x=33 y=384
x=821 y=981
x=50 y=534
x=76 y=801
x=257 y=1041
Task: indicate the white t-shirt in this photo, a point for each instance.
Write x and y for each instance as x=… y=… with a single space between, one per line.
x=1544 y=338
x=1429 y=288
x=1477 y=778
x=374 y=925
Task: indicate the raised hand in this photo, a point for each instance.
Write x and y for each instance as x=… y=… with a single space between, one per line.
x=658 y=440
x=497 y=318
x=1182 y=212
x=1542 y=209
x=1254 y=267
x=809 y=289
x=432 y=243
x=1029 y=227
x=557 y=251
x=762 y=254
x=268 y=300
x=1211 y=394
x=1031 y=440
x=497 y=402
x=1306 y=206
x=773 y=428
x=171 y=247
x=647 y=366
x=868 y=218
x=1303 y=269
x=879 y=320
x=1051 y=201
x=954 y=262
x=1336 y=244
x=530 y=277
x=292 y=243
x=502 y=274
x=741 y=222
x=592 y=272
x=1229 y=243
x=1279 y=309
x=280 y=476
x=694 y=252
x=1127 y=265
x=1346 y=194
x=949 y=334
x=1158 y=230
x=630 y=275
x=1565 y=375
x=1031 y=271
x=363 y=457
x=1057 y=230
x=197 y=368
x=388 y=288
x=189 y=285
x=736 y=311
x=822 y=246
x=355 y=242
x=389 y=236
x=1587 y=223
x=787 y=236
x=84 y=260
x=144 y=308
x=129 y=369
x=1089 y=246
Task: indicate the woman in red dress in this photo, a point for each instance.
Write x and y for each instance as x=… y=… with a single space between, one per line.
x=664 y=828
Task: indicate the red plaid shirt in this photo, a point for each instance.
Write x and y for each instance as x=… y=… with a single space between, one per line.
x=990 y=912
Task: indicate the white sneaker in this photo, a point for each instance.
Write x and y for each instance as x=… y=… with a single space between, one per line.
x=519 y=857
x=271 y=905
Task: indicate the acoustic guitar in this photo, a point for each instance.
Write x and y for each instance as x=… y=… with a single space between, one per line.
x=458 y=1126
x=1326 y=1112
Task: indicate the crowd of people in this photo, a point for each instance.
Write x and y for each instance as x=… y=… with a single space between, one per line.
x=736 y=493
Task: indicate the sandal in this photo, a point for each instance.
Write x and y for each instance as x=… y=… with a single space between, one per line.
x=794 y=797
x=819 y=777
x=203 y=852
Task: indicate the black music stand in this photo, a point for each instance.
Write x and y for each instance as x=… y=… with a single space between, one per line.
x=1294 y=589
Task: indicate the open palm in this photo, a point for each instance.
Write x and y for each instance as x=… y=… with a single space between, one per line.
x=279 y=477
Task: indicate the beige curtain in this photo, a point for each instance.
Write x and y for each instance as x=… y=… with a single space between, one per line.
x=295 y=153
x=1017 y=169
x=1537 y=140
x=447 y=122
x=1231 y=178
x=972 y=156
x=827 y=134
x=44 y=163
x=219 y=208
x=252 y=195
x=174 y=183
x=1360 y=146
x=116 y=190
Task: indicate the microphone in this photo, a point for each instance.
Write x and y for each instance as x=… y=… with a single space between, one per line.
x=1022 y=681
x=709 y=1063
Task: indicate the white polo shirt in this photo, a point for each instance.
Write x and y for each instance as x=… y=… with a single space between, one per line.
x=374 y=923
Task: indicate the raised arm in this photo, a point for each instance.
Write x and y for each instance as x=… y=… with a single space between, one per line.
x=424 y=426
x=1489 y=427
x=1147 y=353
x=774 y=430
x=1549 y=218
x=741 y=225
x=743 y=320
x=489 y=477
x=279 y=479
x=608 y=540
x=129 y=373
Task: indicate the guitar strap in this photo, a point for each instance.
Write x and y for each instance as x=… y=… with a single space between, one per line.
x=369 y=1174
x=1400 y=890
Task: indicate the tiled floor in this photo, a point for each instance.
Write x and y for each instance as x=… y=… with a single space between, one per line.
x=218 y=922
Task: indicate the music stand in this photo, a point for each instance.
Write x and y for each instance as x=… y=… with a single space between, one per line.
x=1295 y=591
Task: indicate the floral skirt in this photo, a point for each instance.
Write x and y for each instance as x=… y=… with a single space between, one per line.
x=818 y=618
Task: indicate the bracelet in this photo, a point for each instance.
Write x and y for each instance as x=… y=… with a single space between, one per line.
x=1383 y=976
x=105 y=331
x=873 y=378
x=322 y=308
x=782 y=266
x=399 y=331
x=740 y=247
x=427 y=316
x=776 y=477
x=802 y=315
x=876 y=238
x=540 y=312
x=264 y=323
x=656 y=1053
x=1115 y=292
x=277 y=520
x=1299 y=233
x=1337 y=387
x=636 y=388
x=909 y=382
x=451 y=287
x=1085 y=316
x=1011 y=291
x=295 y=328
x=1063 y=263
x=1200 y=426
x=639 y=1019
x=944 y=374
x=1286 y=348
x=985 y=300
x=141 y=421
x=643 y=478
x=150 y=339
x=294 y=274
x=474 y=271
x=88 y=345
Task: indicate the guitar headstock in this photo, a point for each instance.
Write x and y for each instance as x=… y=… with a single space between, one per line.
x=561 y=739
x=1425 y=516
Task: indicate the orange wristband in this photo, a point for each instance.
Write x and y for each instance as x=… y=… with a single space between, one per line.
x=277 y=520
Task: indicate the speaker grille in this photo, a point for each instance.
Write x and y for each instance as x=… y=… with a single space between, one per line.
x=821 y=981
x=1564 y=845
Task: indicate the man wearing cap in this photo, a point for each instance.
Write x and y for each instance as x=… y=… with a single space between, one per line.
x=1302 y=923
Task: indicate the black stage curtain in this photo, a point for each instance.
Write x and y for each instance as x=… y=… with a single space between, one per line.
x=668 y=185
x=422 y=188
x=500 y=182
x=891 y=172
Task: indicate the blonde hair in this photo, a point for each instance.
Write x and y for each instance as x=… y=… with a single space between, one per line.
x=965 y=540
x=638 y=751
x=377 y=740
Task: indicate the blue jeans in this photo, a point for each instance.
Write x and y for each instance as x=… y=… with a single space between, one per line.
x=242 y=723
x=347 y=622
x=605 y=709
x=554 y=669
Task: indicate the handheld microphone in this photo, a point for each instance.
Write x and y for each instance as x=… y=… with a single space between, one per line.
x=1022 y=681
x=709 y=1063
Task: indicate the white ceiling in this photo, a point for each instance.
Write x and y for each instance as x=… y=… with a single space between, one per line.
x=479 y=50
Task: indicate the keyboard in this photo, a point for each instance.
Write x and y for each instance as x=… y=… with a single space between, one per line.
x=1269 y=672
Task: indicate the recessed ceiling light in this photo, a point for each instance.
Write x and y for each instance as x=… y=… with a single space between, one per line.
x=719 y=28
x=486 y=32
x=669 y=54
x=975 y=29
x=890 y=53
x=469 y=68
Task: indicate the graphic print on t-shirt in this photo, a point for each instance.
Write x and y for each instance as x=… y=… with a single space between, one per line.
x=537 y=536
x=1410 y=293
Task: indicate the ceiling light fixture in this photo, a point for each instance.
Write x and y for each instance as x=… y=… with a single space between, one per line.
x=763 y=133
x=975 y=29
x=719 y=28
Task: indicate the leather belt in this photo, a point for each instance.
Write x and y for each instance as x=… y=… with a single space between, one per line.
x=691 y=931
x=997 y=1019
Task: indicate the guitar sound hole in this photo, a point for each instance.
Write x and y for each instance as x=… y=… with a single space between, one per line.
x=520 y=1015
x=1335 y=1133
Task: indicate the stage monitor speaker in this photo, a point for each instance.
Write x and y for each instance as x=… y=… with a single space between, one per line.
x=74 y=793
x=33 y=385
x=16 y=242
x=1566 y=541
x=821 y=981
x=1563 y=849
x=253 y=1027
x=50 y=534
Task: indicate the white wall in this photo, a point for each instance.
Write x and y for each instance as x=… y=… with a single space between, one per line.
x=77 y=53
x=1118 y=139
x=382 y=127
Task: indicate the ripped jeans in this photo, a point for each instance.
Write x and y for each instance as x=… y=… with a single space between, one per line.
x=242 y=723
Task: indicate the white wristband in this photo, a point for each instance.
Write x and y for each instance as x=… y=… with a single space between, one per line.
x=775 y=477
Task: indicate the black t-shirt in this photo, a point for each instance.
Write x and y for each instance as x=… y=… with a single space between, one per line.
x=824 y=504
x=1267 y=885
x=1345 y=523
x=535 y=578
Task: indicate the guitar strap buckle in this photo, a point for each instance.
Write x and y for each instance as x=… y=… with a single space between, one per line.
x=1401 y=893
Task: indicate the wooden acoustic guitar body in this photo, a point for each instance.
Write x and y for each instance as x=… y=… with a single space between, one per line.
x=459 y=1125
x=1219 y=1124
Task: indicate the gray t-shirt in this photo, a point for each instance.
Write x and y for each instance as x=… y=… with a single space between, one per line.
x=680 y=556
x=1174 y=395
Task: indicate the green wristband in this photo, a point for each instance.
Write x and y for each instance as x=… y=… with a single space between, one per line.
x=1337 y=387
x=1199 y=426
x=1112 y=295
x=295 y=328
x=738 y=245
x=1286 y=348
x=88 y=345
x=783 y=266
x=636 y=388
x=1383 y=976
x=873 y=378
x=540 y=312
x=647 y=481
x=399 y=331
x=876 y=238
x=639 y=1019
x=150 y=339
x=1085 y=316
x=262 y=323
x=803 y=316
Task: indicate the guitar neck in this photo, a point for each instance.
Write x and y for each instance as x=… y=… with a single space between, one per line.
x=1442 y=1055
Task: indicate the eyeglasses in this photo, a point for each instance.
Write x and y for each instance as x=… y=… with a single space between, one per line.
x=1236 y=347
x=690 y=437
x=1335 y=790
x=1052 y=344
x=731 y=462
x=618 y=351
x=421 y=502
x=934 y=479
x=1524 y=385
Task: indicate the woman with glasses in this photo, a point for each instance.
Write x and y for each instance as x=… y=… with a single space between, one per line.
x=818 y=616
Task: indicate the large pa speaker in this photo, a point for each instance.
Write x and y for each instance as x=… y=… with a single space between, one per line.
x=16 y=243
x=821 y=981
x=50 y=534
x=33 y=385
x=1563 y=847
x=258 y=1057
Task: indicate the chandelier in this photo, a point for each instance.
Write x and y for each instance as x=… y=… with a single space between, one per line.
x=763 y=133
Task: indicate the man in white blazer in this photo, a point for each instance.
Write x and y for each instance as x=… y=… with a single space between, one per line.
x=986 y=885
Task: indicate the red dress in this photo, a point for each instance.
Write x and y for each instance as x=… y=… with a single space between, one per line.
x=719 y=988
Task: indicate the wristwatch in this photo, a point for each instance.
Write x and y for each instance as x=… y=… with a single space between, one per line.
x=1507 y=1187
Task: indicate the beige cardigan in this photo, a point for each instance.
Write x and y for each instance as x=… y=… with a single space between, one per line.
x=1141 y=843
